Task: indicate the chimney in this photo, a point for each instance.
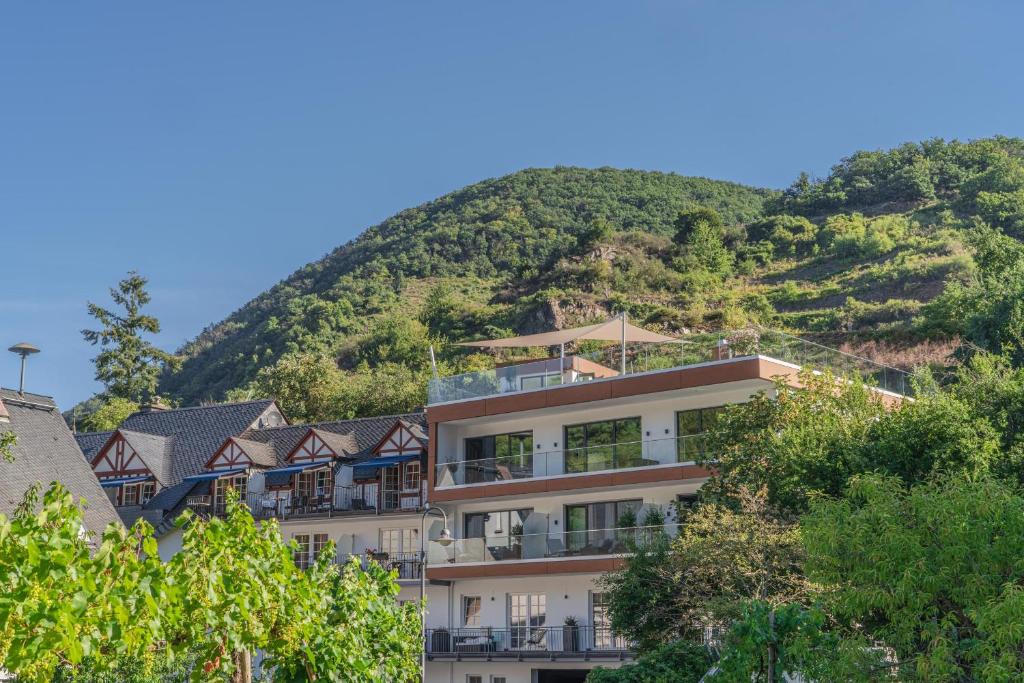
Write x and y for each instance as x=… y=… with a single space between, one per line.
x=4 y=415
x=154 y=405
x=24 y=350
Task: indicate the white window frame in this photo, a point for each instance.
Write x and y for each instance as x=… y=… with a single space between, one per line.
x=465 y=610
x=302 y=556
x=409 y=478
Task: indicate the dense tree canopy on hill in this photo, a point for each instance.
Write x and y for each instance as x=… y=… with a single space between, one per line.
x=856 y=259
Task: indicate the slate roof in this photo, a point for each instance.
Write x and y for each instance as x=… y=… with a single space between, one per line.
x=45 y=452
x=260 y=453
x=194 y=434
x=91 y=443
x=155 y=451
x=366 y=432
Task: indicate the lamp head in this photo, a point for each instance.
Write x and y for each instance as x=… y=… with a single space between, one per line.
x=445 y=539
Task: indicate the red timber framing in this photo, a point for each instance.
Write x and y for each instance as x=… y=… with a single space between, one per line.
x=229 y=456
x=399 y=441
x=118 y=459
x=310 y=449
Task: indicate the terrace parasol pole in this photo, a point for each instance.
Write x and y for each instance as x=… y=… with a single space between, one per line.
x=622 y=364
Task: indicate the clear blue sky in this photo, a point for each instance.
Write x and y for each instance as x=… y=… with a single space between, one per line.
x=216 y=147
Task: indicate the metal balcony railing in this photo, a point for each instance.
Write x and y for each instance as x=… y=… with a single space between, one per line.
x=567 y=544
x=689 y=350
x=406 y=565
x=616 y=456
x=289 y=504
x=520 y=642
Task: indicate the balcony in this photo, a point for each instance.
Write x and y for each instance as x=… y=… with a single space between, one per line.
x=287 y=504
x=406 y=565
x=601 y=458
x=641 y=358
x=526 y=642
x=543 y=546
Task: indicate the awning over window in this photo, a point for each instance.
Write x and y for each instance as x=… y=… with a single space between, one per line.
x=216 y=474
x=113 y=483
x=282 y=475
x=368 y=468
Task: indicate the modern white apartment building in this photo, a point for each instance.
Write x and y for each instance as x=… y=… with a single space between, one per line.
x=546 y=470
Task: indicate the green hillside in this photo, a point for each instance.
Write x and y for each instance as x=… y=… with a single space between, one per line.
x=852 y=259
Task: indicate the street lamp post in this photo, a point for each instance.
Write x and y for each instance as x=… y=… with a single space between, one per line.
x=444 y=539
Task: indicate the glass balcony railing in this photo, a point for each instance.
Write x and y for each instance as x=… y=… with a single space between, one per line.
x=289 y=504
x=602 y=458
x=689 y=350
x=523 y=641
x=543 y=546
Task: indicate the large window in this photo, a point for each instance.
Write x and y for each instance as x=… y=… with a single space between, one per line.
x=499 y=457
x=690 y=425
x=394 y=542
x=412 y=479
x=602 y=621
x=540 y=381
x=605 y=445
x=310 y=546
x=302 y=551
x=527 y=614
x=471 y=610
x=501 y=530
x=137 y=494
x=315 y=485
x=599 y=528
x=239 y=483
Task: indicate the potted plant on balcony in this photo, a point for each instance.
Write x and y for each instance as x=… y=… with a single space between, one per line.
x=515 y=539
x=571 y=634
x=626 y=530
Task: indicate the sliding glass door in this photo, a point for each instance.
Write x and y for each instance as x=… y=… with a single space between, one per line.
x=605 y=445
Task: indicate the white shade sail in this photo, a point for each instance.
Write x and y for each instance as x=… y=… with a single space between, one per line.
x=611 y=330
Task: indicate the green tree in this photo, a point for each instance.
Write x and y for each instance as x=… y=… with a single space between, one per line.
x=305 y=386
x=109 y=415
x=699 y=231
x=721 y=559
x=65 y=603
x=792 y=443
x=932 y=572
x=127 y=365
x=677 y=662
x=241 y=591
x=115 y=612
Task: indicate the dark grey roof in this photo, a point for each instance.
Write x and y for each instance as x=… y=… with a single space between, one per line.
x=259 y=452
x=196 y=433
x=45 y=452
x=366 y=431
x=155 y=451
x=91 y=443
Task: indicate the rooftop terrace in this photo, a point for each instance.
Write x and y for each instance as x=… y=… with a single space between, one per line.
x=638 y=358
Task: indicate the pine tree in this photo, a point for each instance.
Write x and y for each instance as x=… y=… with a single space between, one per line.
x=127 y=365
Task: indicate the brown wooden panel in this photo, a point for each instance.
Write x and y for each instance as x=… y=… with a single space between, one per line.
x=646 y=384
x=455 y=411
x=584 y=392
x=708 y=375
x=581 y=566
x=588 y=481
x=515 y=403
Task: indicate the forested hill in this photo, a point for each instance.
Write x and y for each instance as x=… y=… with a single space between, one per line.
x=852 y=259
x=500 y=231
